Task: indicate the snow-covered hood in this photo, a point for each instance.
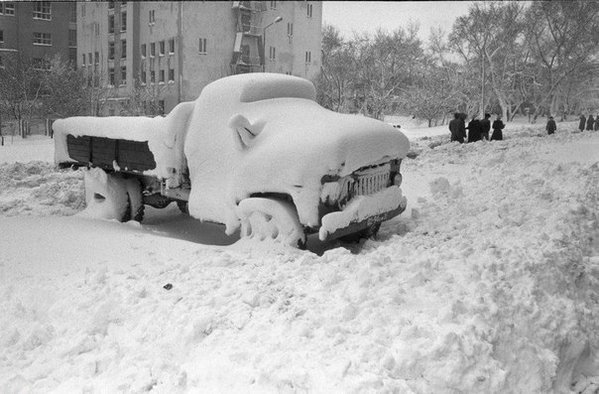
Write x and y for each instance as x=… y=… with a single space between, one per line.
x=310 y=140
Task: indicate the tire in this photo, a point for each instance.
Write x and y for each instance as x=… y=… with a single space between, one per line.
x=112 y=197
x=369 y=232
x=266 y=219
x=183 y=207
x=135 y=206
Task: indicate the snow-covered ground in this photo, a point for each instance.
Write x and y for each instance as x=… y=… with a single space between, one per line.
x=488 y=283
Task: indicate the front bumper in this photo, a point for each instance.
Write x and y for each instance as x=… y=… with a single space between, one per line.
x=363 y=212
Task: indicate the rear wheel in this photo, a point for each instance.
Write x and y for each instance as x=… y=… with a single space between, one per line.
x=110 y=196
x=135 y=207
x=269 y=219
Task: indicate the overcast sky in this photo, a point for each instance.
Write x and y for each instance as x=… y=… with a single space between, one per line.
x=366 y=16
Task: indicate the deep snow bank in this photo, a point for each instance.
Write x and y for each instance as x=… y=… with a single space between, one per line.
x=491 y=285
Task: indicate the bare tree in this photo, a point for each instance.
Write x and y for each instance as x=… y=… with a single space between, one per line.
x=143 y=100
x=563 y=37
x=20 y=87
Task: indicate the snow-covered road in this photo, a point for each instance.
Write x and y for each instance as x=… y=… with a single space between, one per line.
x=488 y=283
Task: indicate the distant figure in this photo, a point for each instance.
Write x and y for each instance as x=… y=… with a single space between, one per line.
x=485 y=125
x=596 y=123
x=551 y=127
x=474 y=130
x=498 y=126
x=582 y=123
x=590 y=123
x=457 y=129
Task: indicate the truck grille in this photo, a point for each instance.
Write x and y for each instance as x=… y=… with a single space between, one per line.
x=367 y=181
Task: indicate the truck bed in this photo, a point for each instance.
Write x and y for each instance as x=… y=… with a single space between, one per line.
x=129 y=156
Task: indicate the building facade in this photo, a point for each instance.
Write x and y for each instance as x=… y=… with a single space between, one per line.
x=174 y=49
x=38 y=30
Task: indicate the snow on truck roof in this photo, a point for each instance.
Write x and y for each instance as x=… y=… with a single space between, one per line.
x=247 y=88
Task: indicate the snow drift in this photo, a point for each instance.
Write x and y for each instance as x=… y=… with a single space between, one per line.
x=491 y=284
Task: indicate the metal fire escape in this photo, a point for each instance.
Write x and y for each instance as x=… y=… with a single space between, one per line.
x=248 y=51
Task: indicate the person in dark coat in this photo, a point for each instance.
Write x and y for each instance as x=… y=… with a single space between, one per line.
x=551 y=127
x=498 y=126
x=582 y=123
x=596 y=123
x=474 y=130
x=590 y=123
x=485 y=125
x=457 y=129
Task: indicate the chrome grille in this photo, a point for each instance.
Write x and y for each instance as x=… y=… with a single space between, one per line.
x=370 y=180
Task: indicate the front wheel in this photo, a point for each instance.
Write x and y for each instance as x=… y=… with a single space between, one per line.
x=269 y=219
x=369 y=232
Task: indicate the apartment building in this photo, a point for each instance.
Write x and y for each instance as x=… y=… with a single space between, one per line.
x=176 y=48
x=38 y=30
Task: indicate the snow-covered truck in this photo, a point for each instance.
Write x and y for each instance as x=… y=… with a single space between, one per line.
x=254 y=151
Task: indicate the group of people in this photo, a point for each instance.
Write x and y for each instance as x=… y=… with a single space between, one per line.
x=590 y=123
x=477 y=129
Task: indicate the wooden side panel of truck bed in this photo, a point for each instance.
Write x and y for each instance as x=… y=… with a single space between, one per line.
x=104 y=152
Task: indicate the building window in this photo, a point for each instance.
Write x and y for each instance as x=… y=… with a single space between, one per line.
x=143 y=77
x=290 y=29
x=171 y=46
x=1 y=63
x=9 y=8
x=123 y=49
x=153 y=49
x=1 y=35
x=72 y=38
x=42 y=39
x=83 y=60
x=40 y=64
x=110 y=23
x=111 y=50
x=73 y=56
x=152 y=76
x=151 y=17
x=123 y=75
x=171 y=75
x=124 y=21
x=42 y=10
x=161 y=48
x=143 y=50
x=111 y=76
x=111 y=5
x=272 y=53
x=96 y=58
x=202 y=46
x=89 y=59
x=74 y=14
x=273 y=5
x=308 y=57
x=97 y=29
x=309 y=10
x=161 y=76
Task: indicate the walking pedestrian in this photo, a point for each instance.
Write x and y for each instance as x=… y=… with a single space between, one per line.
x=457 y=129
x=498 y=126
x=582 y=122
x=551 y=127
x=474 y=130
x=590 y=123
x=485 y=126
